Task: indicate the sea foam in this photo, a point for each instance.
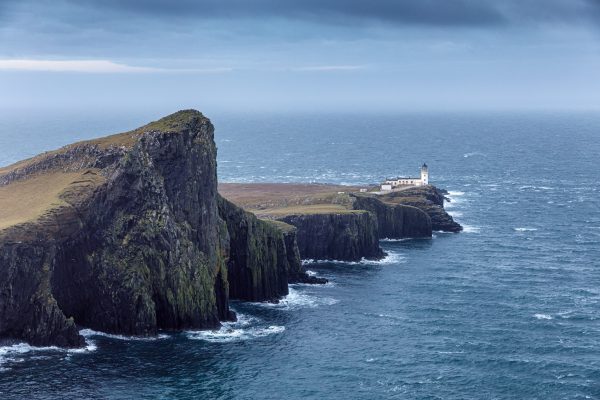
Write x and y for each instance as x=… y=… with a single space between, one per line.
x=296 y=299
x=86 y=333
x=391 y=257
x=471 y=229
x=242 y=329
x=13 y=353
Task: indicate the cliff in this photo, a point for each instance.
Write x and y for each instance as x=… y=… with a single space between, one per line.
x=262 y=255
x=127 y=234
x=395 y=221
x=348 y=236
x=428 y=199
x=342 y=222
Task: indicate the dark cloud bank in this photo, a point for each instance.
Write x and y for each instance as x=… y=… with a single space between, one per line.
x=396 y=12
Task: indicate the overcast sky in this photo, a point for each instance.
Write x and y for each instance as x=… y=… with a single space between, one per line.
x=324 y=55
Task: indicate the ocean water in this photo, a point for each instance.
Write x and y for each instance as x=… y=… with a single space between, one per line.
x=510 y=308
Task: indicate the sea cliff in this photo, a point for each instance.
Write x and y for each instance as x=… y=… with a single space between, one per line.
x=126 y=234
x=336 y=236
x=337 y=222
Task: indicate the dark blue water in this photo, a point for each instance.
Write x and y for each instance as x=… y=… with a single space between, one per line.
x=508 y=309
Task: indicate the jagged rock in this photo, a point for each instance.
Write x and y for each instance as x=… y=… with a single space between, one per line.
x=428 y=199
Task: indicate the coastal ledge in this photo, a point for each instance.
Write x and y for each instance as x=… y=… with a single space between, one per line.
x=339 y=222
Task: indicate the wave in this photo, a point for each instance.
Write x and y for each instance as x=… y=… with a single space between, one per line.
x=297 y=299
x=454 y=197
x=525 y=229
x=329 y=282
x=236 y=331
x=542 y=316
x=393 y=240
x=12 y=353
x=87 y=333
x=471 y=228
x=392 y=257
x=524 y=187
x=475 y=153
x=455 y=214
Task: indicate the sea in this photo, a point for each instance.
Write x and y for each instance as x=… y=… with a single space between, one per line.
x=507 y=309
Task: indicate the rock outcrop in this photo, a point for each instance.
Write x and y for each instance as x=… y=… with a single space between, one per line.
x=428 y=199
x=127 y=234
x=348 y=236
x=262 y=256
x=395 y=221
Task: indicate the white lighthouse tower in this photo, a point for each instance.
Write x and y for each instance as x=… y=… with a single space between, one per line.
x=424 y=175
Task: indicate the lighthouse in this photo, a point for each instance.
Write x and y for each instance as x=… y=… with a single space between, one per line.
x=424 y=174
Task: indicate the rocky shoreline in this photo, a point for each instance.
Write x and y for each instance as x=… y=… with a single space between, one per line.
x=128 y=234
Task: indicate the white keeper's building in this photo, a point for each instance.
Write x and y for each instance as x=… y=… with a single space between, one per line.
x=391 y=184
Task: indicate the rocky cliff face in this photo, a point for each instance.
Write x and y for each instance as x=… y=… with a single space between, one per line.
x=395 y=221
x=348 y=236
x=137 y=240
x=428 y=199
x=258 y=262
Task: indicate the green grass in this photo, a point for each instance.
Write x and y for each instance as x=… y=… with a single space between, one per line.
x=171 y=123
x=306 y=209
x=280 y=225
x=30 y=199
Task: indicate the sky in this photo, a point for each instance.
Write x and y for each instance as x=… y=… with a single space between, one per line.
x=310 y=55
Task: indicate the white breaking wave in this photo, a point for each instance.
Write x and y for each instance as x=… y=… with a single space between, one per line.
x=86 y=333
x=542 y=316
x=455 y=214
x=471 y=229
x=239 y=330
x=525 y=229
x=392 y=257
x=524 y=187
x=15 y=351
x=393 y=240
x=296 y=299
x=475 y=153
x=454 y=197
x=329 y=283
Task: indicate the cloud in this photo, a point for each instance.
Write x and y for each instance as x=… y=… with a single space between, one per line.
x=396 y=12
x=327 y=68
x=427 y=12
x=91 y=66
x=126 y=15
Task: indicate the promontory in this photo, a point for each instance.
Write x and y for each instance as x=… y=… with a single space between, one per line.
x=128 y=234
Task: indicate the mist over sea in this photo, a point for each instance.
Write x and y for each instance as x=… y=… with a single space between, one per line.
x=510 y=308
